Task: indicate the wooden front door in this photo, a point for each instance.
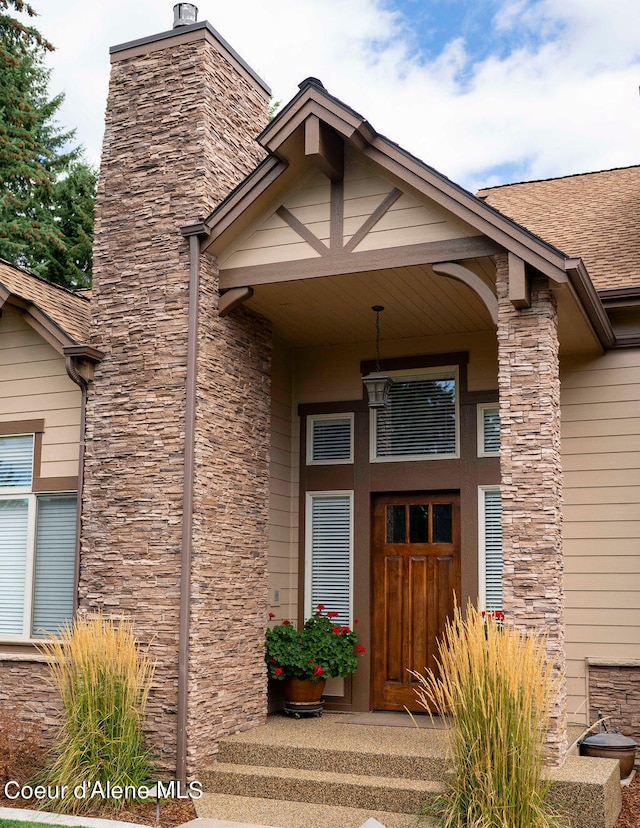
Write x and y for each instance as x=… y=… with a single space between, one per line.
x=416 y=570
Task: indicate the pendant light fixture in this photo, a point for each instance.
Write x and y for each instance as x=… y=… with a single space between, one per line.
x=377 y=384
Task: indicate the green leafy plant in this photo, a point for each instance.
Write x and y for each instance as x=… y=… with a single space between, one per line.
x=497 y=684
x=104 y=680
x=321 y=649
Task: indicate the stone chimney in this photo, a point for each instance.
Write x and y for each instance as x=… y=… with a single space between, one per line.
x=175 y=499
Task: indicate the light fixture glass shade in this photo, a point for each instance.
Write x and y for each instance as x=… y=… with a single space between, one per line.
x=378 y=386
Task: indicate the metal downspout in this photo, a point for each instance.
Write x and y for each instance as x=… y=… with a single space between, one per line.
x=83 y=385
x=187 y=508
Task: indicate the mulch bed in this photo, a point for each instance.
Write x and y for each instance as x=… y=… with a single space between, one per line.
x=172 y=812
x=630 y=816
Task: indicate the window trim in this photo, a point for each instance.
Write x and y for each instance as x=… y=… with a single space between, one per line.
x=480 y=409
x=5 y=491
x=311 y=419
x=482 y=542
x=308 y=541
x=440 y=372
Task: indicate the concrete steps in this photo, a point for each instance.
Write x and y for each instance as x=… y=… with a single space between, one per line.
x=405 y=796
x=337 y=772
x=292 y=774
x=236 y=811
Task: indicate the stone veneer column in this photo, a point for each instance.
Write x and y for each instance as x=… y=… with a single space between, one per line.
x=531 y=472
x=181 y=118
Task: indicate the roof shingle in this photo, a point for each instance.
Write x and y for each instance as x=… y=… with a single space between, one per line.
x=70 y=311
x=592 y=215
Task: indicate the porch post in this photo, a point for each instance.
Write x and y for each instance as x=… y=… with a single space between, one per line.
x=531 y=472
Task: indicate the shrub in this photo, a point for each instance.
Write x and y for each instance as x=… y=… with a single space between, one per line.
x=104 y=680
x=322 y=648
x=497 y=684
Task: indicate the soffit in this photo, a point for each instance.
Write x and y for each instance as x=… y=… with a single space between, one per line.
x=337 y=309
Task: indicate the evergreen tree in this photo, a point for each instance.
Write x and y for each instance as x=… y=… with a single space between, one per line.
x=46 y=192
x=74 y=200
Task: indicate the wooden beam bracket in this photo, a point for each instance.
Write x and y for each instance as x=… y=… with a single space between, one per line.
x=519 y=286
x=232 y=298
x=324 y=147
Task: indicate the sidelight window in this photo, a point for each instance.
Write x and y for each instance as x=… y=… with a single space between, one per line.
x=329 y=554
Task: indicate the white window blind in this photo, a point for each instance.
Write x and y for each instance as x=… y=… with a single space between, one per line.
x=329 y=554
x=16 y=462
x=330 y=440
x=420 y=420
x=14 y=522
x=54 y=563
x=492 y=550
x=491 y=430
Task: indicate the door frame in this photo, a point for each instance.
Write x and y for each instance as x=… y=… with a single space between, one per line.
x=433 y=561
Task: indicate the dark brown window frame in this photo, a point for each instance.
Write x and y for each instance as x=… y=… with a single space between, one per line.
x=39 y=484
x=464 y=475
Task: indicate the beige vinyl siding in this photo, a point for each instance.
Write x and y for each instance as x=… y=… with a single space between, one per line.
x=283 y=515
x=601 y=462
x=272 y=240
x=34 y=385
x=407 y=221
x=333 y=373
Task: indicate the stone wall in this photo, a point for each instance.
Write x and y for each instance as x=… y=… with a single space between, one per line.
x=531 y=472
x=616 y=689
x=228 y=682
x=27 y=695
x=180 y=130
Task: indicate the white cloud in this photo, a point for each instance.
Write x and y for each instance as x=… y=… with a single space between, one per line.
x=563 y=98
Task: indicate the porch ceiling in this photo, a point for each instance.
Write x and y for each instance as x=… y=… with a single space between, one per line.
x=337 y=309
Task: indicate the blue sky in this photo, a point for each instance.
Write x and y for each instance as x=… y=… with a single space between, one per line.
x=487 y=92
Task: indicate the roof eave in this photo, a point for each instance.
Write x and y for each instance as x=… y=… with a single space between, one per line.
x=590 y=301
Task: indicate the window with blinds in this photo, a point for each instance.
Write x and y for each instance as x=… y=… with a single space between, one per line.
x=488 y=430
x=37 y=548
x=16 y=461
x=330 y=439
x=54 y=563
x=329 y=553
x=420 y=421
x=14 y=531
x=491 y=549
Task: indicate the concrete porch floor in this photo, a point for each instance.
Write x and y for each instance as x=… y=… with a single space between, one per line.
x=348 y=767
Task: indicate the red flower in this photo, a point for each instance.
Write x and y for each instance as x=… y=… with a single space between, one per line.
x=333 y=614
x=278 y=671
x=272 y=660
x=311 y=661
x=320 y=607
x=360 y=649
x=346 y=629
x=271 y=615
x=318 y=671
x=336 y=630
x=286 y=622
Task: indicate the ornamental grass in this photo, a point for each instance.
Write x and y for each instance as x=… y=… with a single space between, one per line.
x=497 y=684
x=104 y=680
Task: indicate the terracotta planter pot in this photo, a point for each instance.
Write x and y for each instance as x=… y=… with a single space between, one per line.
x=303 y=691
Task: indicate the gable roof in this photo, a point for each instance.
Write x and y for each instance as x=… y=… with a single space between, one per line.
x=64 y=313
x=591 y=215
x=305 y=131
